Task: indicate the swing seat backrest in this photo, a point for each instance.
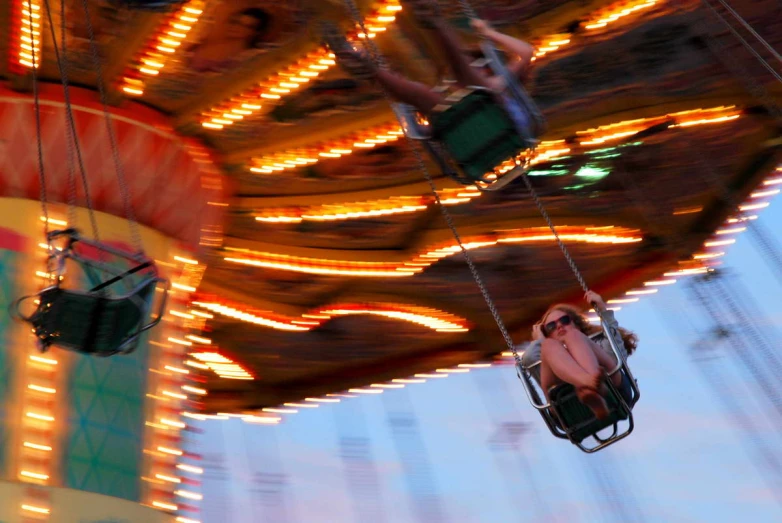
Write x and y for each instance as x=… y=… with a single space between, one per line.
x=91 y=322
x=477 y=132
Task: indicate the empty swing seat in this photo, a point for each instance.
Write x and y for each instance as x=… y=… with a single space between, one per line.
x=478 y=133
x=108 y=318
x=90 y=322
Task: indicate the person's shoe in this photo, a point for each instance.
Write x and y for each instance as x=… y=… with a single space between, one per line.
x=425 y=11
x=352 y=61
x=592 y=399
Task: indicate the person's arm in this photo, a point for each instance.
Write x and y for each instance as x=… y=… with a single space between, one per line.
x=596 y=300
x=522 y=50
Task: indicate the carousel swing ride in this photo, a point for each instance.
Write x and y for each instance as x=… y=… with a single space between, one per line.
x=332 y=231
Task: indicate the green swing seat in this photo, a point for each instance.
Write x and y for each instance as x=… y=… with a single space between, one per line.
x=478 y=134
x=470 y=135
x=564 y=414
x=90 y=322
x=577 y=420
x=102 y=320
x=474 y=130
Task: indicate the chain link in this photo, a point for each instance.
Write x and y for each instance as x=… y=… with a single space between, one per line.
x=707 y=171
x=469 y=12
x=37 y=104
x=62 y=64
x=467 y=9
x=72 y=196
x=118 y=166
x=752 y=31
x=377 y=58
x=550 y=223
x=751 y=49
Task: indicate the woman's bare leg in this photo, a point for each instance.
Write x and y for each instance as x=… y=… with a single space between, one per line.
x=359 y=65
x=460 y=62
x=430 y=17
x=607 y=362
x=583 y=350
x=547 y=378
x=566 y=364
x=408 y=91
x=590 y=356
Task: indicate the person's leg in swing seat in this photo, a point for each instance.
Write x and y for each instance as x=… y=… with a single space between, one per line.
x=428 y=14
x=361 y=66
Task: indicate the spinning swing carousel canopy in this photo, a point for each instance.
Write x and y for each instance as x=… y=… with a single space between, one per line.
x=335 y=270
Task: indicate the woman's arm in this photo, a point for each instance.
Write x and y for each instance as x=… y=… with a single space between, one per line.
x=596 y=300
x=523 y=51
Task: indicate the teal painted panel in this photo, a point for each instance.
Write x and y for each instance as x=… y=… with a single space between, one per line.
x=106 y=423
x=8 y=275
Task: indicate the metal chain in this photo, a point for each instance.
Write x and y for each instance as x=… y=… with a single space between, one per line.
x=72 y=196
x=469 y=12
x=762 y=346
x=37 y=104
x=746 y=44
x=768 y=245
x=752 y=31
x=741 y=350
x=62 y=64
x=562 y=247
x=118 y=166
x=707 y=171
x=738 y=70
x=377 y=58
x=467 y=9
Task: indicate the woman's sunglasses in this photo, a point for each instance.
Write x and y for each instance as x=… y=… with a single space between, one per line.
x=552 y=325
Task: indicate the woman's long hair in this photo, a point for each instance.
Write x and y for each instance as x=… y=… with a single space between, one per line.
x=583 y=324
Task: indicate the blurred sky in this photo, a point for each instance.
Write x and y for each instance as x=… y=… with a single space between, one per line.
x=686 y=461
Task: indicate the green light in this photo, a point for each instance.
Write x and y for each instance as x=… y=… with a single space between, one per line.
x=548 y=172
x=592 y=172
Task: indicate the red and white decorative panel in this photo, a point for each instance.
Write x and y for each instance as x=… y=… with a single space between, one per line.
x=173 y=183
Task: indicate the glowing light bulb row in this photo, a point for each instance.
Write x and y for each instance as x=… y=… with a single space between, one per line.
x=437 y=320
x=274 y=415
x=759 y=199
x=418 y=263
x=597 y=20
x=28 y=39
x=40 y=398
x=221 y=365
x=184 y=464
x=714 y=247
x=545 y=152
x=317 y=266
x=607 y=16
x=292 y=77
x=163 y=46
x=393 y=205
x=690 y=118
x=176 y=386
x=297 y=158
